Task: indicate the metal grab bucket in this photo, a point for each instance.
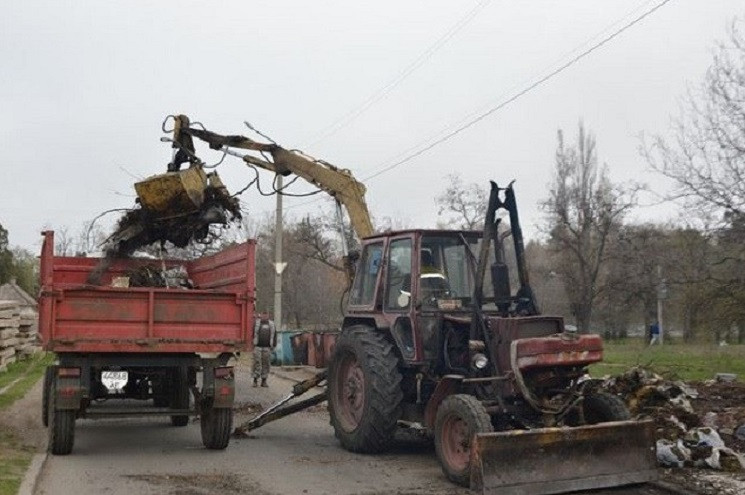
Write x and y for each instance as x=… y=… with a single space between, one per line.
x=557 y=460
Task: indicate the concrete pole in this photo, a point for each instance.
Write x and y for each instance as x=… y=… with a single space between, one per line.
x=660 y=296
x=278 y=265
x=659 y=320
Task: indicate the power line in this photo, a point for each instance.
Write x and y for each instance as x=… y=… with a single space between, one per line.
x=383 y=91
x=534 y=85
x=526 y=80
x=521 y=93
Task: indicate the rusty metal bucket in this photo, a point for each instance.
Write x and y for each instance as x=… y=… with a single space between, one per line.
x=557 y=460
x=173 y=193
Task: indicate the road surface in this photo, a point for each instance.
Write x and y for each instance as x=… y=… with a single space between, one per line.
x=294 y=455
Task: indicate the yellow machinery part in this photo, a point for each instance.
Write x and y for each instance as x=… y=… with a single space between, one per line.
x=173 y=193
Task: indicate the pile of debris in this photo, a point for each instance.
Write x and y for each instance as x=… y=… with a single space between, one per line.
x=690 y=427
x=148 y=276
x=177 y=207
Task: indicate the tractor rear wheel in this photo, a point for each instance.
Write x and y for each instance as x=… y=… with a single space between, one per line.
x=459 y=418
x=601 y=407
x=364 y=390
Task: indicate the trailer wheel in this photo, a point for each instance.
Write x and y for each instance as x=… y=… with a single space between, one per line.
x=179 y=395
x=459 y=418
x=48 y=377
x=601 y=407
x=364 y=390
x=61 y=427
x=217 y=424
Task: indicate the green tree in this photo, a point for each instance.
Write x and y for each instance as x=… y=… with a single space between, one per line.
x=26 y=270
x=6 y=257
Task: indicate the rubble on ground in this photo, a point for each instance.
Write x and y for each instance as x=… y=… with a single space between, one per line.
x=695 y=426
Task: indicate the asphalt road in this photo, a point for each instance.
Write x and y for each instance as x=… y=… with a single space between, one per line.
x=294 y=455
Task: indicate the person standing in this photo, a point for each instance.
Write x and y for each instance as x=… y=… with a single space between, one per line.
x=654 y=331
x=265 y=339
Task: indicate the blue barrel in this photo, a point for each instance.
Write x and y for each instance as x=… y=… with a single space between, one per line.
x=282 y=354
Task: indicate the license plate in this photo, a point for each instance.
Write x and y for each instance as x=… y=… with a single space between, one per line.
x=114 y=380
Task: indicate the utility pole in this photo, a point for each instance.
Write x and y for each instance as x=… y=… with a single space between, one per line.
x=661 y=296
x=279 y=265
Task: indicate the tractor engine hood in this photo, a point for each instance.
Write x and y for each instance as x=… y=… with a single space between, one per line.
x=539 y=342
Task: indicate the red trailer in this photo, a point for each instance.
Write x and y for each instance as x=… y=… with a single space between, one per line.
x=169 y=348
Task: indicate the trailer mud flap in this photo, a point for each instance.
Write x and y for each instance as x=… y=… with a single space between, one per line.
x=558 y=460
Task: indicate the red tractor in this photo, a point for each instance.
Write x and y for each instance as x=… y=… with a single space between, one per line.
x=433 y=337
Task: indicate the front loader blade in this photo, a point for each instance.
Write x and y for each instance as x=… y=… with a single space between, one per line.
x=558 y=460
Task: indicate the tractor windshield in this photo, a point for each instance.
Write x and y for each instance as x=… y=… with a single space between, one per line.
x=448 y=270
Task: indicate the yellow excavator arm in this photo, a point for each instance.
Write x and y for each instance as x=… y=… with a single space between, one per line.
x=339 y=183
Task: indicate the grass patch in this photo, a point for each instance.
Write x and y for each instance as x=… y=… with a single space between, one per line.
x=14 y=460
x=15 y=457
x=694 y=362
x=21 y=376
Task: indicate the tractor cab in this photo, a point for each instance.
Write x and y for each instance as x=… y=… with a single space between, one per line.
x=412 y=281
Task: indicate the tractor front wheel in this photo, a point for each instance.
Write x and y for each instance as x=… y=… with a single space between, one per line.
x=364 y=390
x=459 y=418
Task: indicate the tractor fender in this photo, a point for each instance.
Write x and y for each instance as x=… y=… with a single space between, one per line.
x=448 y=385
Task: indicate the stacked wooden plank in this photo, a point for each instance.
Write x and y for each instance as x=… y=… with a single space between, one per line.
x=10 y=321
x=28 y=334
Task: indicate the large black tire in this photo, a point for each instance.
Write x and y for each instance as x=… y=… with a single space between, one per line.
x=364 y=390
x=180 y=395
x=217 y=425
x=601 y=407
x=48 y=377
x=61 y=427
x=459 y=418
x=159 y=386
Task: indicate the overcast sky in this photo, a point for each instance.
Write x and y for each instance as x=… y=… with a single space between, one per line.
x=85 y=85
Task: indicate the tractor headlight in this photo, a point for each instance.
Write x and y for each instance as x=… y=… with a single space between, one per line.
x=479 y=361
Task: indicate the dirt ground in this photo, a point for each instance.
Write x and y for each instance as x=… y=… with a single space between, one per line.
x=23 y=420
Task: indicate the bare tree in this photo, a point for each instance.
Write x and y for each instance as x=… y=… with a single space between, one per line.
x=585 y=210
x=706 y=156
x=705 y=159
x=63 y=242
x=462 y=205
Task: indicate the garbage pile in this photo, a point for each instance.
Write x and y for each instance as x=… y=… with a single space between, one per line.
x=176 y=207
x=690 y=422
x=177 y=220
